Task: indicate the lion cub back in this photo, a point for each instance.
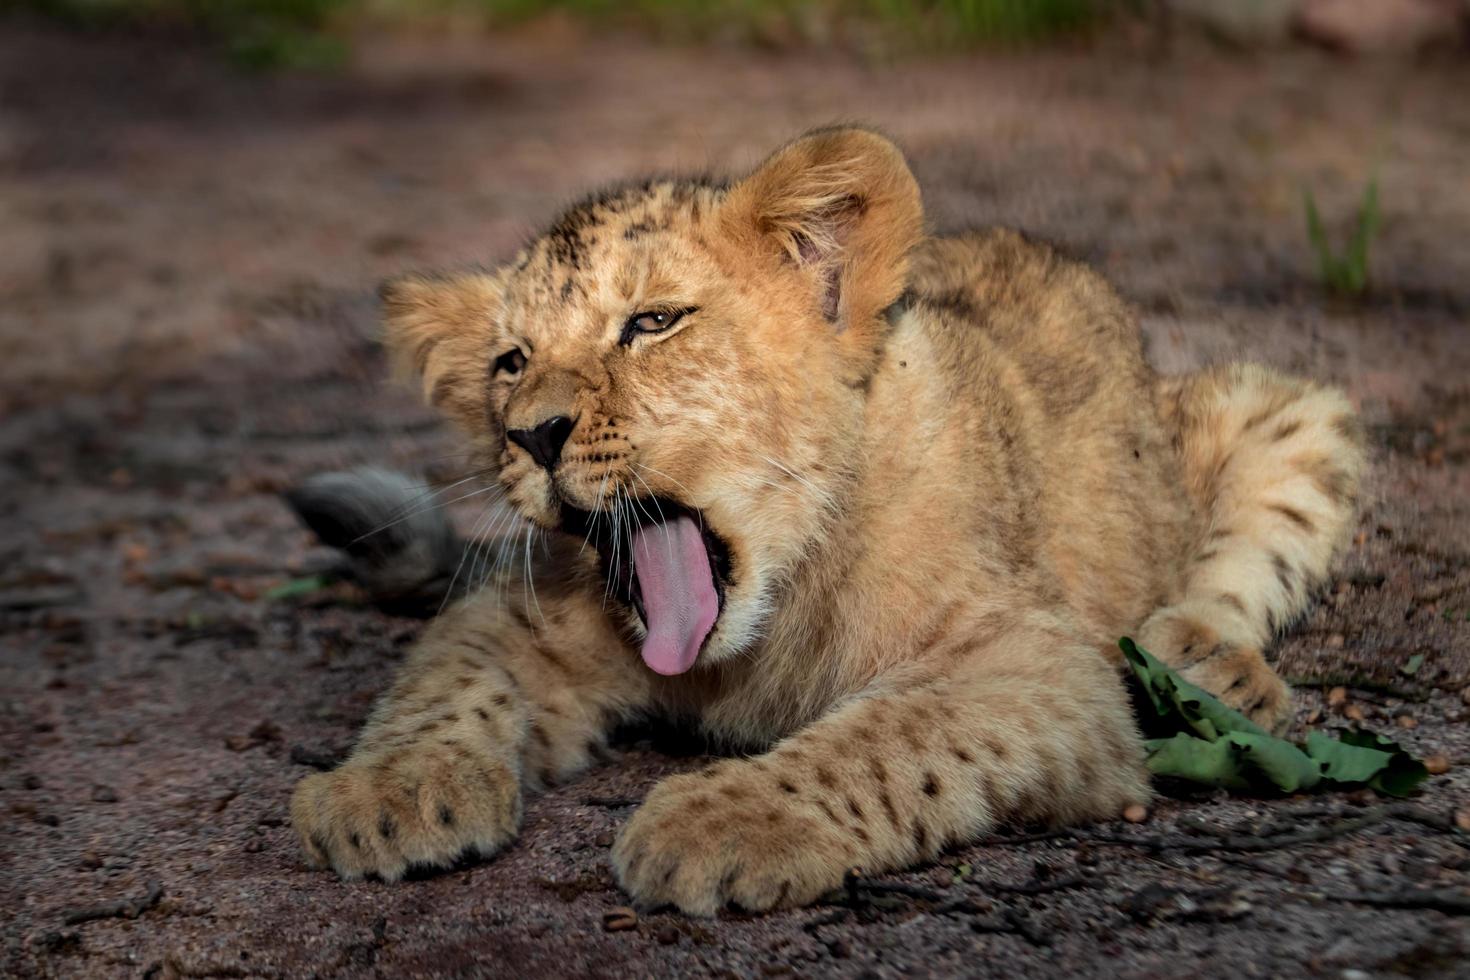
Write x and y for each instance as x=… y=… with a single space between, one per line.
x=1111 y=519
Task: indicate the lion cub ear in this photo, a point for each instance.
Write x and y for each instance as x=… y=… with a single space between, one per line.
x=438 y=330
x=842 y=206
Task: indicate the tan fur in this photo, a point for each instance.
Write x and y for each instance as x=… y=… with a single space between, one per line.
x=948 y=481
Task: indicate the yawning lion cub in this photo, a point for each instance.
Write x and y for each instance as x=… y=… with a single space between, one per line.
x=872 y=505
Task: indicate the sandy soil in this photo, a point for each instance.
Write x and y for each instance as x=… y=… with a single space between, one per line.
x=187 y=259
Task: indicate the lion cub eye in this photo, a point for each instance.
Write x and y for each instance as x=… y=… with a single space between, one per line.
x=651 y=322
x=510 y=363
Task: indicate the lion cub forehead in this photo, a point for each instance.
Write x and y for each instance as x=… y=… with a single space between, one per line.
x=608 y=247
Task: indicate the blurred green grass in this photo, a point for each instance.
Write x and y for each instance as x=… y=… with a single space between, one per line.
x=1344 y=274
x=312 y=33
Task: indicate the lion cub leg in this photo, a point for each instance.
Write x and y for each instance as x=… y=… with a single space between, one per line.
x=1026 y=724
x=1273 y=463
x=492 y=700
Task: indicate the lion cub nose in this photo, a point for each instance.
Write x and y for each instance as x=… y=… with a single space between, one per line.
x=545 y=441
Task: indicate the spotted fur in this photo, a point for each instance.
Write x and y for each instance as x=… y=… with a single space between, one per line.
x=947 y=479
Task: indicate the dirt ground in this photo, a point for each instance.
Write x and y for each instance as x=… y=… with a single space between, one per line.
x=187 y=265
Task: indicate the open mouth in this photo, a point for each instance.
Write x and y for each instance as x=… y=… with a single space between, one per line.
x=669 y=566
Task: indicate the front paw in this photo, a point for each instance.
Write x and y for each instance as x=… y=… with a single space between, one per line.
x=381 y=814
x=725 y=836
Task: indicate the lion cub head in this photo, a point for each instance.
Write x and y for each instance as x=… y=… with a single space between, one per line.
x=677 y=372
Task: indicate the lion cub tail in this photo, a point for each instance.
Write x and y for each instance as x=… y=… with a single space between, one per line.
x=395 y=537
x=1273 y=464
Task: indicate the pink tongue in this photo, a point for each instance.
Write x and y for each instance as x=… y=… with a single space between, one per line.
x=678 y=589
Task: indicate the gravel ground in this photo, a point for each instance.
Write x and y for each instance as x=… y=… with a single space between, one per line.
x=187 y=262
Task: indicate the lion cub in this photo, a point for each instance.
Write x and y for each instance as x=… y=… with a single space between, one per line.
x=872 y=505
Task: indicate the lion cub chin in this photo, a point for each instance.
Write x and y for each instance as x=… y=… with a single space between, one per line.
x=764 y=457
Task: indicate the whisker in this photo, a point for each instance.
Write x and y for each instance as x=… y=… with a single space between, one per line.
x=774 y=485
x=469 y=543
x=597 y=512
x=617 y=543
x=468 y=476
x=499 y=546
x=424 y=510
x=643 y=466
x=529 y=572
x=689 y=493
x=487 y=532
x=793 y=474
x=663 y=522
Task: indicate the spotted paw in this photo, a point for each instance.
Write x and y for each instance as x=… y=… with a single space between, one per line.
x=706 y=840
x=1234 y=672
x=380 y=815
x=1241 y=678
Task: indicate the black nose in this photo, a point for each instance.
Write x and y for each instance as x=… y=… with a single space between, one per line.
x=545 y=441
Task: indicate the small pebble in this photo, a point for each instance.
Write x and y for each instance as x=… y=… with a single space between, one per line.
x=1437 y=765
x=1353 y=712
x=1337 y=696
x=1406 y=721
x=104 y=794
x=619 y=918
x=1135 y=813
x=1465 y=695
x=1336 y=641
x=1462 y=819
x=1314 y=716
x=667 y=935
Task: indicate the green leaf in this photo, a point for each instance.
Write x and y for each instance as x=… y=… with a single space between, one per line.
x=1402 y=772
x=1175 y=698
x=1205 y=742
x=1238 y=760
x=1412 y=665
x=1197 y=760
x=1344 y=762
x=1277 y=762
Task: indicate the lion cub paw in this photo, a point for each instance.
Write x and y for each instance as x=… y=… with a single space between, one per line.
x=1241 y=679
x=1236 y=673
x=725 y=837
x=381 y=815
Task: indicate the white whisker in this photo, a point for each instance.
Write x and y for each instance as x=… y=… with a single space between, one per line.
x=596 y=513
x=794 y=475
x=494 y=529
x=528 y=575
x=470 y=542
x=644 y=466
x=424 y=510
x=663 y=522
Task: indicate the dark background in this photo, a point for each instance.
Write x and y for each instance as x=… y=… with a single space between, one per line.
x=196 y=203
